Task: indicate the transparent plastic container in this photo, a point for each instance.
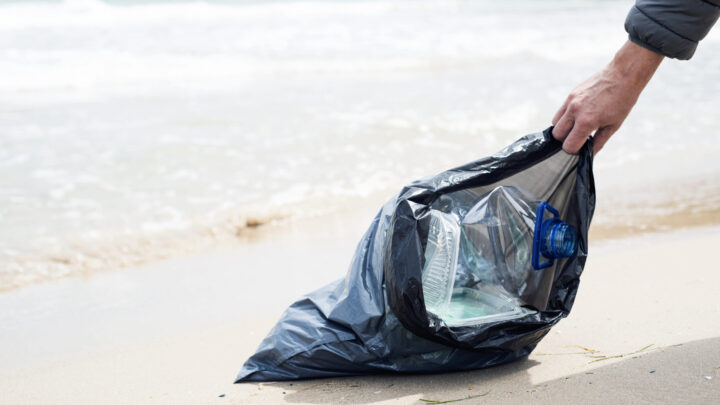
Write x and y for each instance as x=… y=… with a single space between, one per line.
x=483 y=263
x=470 y=306
x=441 y=255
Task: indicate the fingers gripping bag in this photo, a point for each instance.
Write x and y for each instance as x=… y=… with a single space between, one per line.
x=466 y=269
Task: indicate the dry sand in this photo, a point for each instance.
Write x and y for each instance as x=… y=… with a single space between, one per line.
x=178 y=331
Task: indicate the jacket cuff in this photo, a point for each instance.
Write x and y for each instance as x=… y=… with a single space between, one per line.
x=650 y=34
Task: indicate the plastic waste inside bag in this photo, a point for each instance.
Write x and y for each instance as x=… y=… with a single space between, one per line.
x=481 y=261
x=466 y=269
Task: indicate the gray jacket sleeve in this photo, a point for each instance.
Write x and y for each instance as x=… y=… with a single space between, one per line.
x=671 y=27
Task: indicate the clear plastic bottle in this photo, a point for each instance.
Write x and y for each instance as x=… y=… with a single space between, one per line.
x=482 y=263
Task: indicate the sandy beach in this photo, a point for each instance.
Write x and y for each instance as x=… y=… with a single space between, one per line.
x=644 y=329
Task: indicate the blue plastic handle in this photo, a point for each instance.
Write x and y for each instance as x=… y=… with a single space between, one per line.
x=541 y=227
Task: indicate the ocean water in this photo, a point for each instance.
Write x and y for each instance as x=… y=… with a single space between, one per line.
x=130 y=130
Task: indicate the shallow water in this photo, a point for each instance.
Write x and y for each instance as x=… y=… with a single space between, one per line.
x=131 y=132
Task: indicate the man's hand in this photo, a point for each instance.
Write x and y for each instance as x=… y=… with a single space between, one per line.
x=602 y=102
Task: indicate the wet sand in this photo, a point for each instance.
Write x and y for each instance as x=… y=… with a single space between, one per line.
x=178 y=331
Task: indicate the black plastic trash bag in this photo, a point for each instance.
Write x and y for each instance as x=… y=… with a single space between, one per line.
x=376 y=320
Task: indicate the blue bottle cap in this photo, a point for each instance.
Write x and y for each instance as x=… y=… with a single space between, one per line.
x=559 y=240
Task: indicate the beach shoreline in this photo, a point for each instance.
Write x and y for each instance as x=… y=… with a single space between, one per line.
x=623 y=212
